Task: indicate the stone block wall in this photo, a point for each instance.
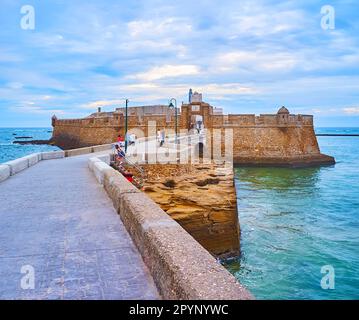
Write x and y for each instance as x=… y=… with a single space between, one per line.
x=267 y=138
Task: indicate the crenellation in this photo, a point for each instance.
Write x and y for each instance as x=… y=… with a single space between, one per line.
x=258 y=139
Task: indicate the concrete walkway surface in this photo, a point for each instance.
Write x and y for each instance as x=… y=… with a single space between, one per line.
x=57 y=221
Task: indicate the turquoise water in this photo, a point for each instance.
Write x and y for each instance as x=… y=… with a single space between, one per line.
x=10 y=151
x=294 y=221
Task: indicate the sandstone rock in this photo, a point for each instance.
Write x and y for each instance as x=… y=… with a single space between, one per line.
x=208 y=212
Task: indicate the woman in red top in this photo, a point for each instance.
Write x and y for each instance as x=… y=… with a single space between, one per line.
x=120 y=140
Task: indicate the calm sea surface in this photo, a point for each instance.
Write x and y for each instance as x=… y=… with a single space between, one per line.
x=10 y=151
x=295 y=221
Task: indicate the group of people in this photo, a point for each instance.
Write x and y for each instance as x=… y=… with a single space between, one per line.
x=120 y=145
x=120 y=155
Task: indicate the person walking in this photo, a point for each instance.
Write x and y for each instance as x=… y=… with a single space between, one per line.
x=162 y=138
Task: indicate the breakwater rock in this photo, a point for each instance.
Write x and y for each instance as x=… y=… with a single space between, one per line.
x=37 y=142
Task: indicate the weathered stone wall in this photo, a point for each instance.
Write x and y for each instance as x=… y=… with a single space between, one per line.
x=70 y=134
x=78 y=133
x=273 y=139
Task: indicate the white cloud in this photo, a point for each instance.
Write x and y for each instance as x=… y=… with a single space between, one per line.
x=237 y=53
x=156 y=28
x=262 y=21
x=102 y=103
x=151 y=91
x=30 y=108
x=227 y=89
x=167 y=71
x=351 y=110
x=255 y=61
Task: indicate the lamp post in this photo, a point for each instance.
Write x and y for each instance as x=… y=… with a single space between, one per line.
x=126 y=125
x=171 y=106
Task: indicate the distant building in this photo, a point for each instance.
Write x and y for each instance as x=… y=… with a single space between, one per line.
x=196 y=97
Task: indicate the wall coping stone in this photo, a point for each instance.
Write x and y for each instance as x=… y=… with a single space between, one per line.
x=18 y=165
x=5 y=172
x=180 y=266
x=13 y=167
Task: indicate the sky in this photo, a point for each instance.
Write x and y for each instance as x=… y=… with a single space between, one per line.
x=244 y=56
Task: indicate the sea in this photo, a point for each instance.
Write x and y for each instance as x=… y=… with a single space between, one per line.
x=10 y=151
x=299 y=227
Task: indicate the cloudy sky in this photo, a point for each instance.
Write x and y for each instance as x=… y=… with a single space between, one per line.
x=245 y=56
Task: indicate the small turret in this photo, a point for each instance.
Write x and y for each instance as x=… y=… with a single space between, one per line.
x=283 y=110
x=53 y=120
x=283 y=115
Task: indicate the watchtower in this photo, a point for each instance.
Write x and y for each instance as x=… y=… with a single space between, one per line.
x=283 y=115
x=196 y=114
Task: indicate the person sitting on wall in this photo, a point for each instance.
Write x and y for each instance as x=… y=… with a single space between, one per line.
x=121 y=141
x=119 y=153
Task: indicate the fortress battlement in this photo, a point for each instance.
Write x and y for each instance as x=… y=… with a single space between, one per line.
x=266 y=139
x=116 y=119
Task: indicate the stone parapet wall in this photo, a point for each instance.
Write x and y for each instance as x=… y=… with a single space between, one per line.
x=13 y=167
x=251 y=120
x=180 y=266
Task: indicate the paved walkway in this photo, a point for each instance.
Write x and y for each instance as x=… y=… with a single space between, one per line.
x=57 y=219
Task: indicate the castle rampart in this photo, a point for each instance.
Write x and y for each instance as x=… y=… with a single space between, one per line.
x=267 y=139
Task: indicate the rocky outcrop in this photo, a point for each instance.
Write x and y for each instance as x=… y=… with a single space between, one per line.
x=35 y=142
x=202 y=199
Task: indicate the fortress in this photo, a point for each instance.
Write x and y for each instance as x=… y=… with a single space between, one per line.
x=281 y=139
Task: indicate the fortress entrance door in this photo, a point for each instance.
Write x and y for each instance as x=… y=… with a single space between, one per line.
x=197 y=123
x=195 y=117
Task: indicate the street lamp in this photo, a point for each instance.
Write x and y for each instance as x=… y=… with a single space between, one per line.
x=171 y=106
x=126 y=125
